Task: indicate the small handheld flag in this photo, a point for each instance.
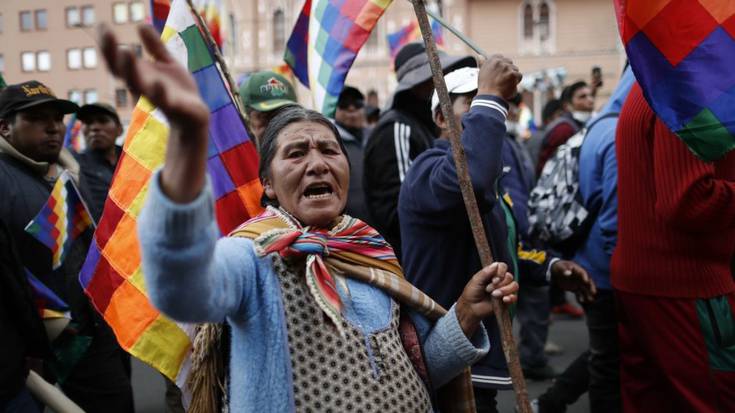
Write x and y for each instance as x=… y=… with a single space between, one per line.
x=49 y=304
x=411 y=32
x=682 y=54
x=324 y=43
x=61 y=219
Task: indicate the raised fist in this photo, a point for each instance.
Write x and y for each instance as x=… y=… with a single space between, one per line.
x=499 y=77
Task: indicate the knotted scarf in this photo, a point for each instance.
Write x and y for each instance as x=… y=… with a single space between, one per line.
x=352 y=248
x=356 y=250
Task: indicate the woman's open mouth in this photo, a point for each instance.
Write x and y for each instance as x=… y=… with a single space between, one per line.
x=318 y=191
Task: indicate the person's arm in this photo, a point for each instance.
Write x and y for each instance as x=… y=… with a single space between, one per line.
x=448 y=350
x=190 y=275
x=607 y=217
x=458 y=339
x=688 y=194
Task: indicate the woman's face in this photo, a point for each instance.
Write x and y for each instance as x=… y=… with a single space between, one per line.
x=309 y=174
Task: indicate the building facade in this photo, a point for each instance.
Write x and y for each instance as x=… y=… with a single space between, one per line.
x=550 y=40
x=55 y=42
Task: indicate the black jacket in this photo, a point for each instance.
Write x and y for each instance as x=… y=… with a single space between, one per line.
x=21 y=329
x=402 y=134
x=23 y=191
x=96 y=175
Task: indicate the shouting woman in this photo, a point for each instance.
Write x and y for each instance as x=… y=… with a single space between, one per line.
x=321 y=316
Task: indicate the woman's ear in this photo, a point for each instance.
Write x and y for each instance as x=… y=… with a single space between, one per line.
x=268 y=188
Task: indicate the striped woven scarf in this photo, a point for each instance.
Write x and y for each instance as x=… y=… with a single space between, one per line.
x=356 y=250
x=352 y=248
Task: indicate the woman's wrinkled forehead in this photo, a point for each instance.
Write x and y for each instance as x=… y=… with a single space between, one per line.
x=306 y=132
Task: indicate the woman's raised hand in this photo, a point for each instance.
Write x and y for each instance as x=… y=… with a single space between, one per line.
x=170 y=87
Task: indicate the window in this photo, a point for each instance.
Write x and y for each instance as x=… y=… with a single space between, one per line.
x=120 y=13
x=2 y=23
x=279 y=32
x=90 y=96
x=43 y=61
x=26 y=21
x=88 y=16
x=2 y=63
x=41 y=19
x=74 y=59
x=75 y=96
x=537 y=26
x=28 y=61
x=121 y=98
x=527 y=21
x=72 y=17
x=543 y=21
x=89 y=57
x=137 y=11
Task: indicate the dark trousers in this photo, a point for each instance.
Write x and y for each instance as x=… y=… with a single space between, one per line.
x=100 y=382
x=485 y=400
x=676 y=354
x=567 y=388
x=597 y=369
x=532 y=313
x=604 y=355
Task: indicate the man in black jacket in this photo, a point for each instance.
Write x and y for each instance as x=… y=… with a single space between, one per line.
x=31 y=159
x=404 y=131
x=101 y=127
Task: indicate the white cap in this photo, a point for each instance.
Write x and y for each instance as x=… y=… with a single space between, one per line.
x=462 y=80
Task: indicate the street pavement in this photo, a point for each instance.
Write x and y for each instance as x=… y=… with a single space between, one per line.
x=149 y=387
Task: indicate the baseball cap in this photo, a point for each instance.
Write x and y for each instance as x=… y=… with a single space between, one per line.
x=86 y=111
x=26 y=95
x=350 y=96
x=267 y=91
x=462 y=80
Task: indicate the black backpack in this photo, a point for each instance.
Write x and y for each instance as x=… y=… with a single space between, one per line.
x=557 y=215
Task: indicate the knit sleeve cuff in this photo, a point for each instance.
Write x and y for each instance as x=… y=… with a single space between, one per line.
x=470 y=350
x=182 y=223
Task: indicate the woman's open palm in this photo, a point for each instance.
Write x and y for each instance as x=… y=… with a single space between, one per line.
x=164 y=81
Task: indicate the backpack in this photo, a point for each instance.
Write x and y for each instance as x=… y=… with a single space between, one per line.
x=557 y=214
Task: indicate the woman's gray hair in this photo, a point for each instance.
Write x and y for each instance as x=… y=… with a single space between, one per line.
x=269 y=141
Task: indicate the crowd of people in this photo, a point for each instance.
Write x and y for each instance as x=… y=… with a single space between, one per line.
x=360 y=286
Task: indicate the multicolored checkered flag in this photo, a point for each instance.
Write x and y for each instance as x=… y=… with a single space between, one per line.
x=682 y=54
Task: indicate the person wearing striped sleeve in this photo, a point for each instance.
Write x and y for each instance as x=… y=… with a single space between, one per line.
x=402 y=133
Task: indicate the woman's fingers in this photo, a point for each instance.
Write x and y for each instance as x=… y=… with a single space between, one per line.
x=153 y=44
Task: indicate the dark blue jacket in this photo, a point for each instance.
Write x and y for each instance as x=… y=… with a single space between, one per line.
x=439 y=253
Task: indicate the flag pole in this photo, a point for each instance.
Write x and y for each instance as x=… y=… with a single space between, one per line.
x=469 y=42
x=220 y=59
x=501 y=313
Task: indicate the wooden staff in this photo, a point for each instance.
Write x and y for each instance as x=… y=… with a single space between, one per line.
x=468 y=194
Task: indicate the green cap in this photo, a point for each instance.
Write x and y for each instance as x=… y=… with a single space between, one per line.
x=266 y=91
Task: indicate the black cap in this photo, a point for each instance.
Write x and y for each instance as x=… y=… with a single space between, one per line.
x=26 y=95
x=85 y=112
x=350 y=96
